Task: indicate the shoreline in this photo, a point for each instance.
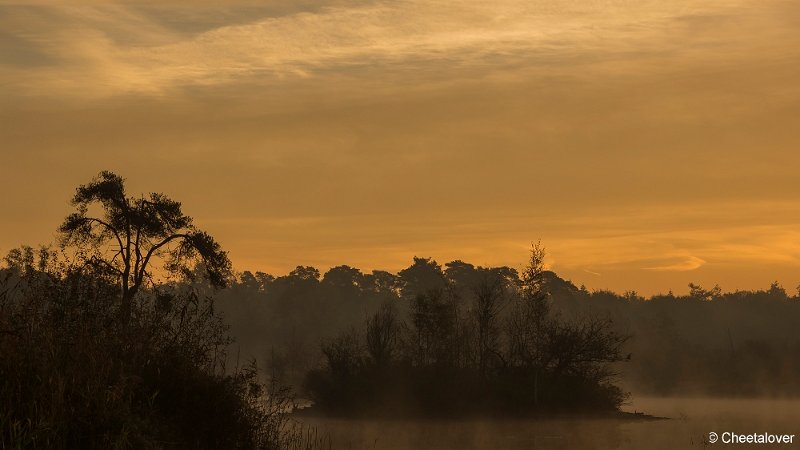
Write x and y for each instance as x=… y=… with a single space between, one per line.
x=311 y=412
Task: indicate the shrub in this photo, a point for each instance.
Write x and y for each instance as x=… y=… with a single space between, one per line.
x=74 y=375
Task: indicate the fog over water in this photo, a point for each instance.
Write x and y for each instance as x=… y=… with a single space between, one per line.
x=688 y=424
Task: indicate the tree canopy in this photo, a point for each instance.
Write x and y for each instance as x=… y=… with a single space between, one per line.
x=128 y=234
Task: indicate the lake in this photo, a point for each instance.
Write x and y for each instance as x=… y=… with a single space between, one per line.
x=691 y=421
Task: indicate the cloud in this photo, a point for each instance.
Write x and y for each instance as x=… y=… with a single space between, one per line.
x=112 y=48
x=685 y=265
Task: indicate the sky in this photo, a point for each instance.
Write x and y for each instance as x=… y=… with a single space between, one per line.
x=646 y=143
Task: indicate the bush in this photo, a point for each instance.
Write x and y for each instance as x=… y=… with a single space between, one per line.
x=74 y=375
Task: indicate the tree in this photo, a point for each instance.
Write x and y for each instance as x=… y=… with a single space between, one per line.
x=20 y=259
x=435 y=319
x=527 y=323
x=697 y=292
x=344 y=277
x=383 y=335
x=489 y=296
x=422 y=276
x=137 y=231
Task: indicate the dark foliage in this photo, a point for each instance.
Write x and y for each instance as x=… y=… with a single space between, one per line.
x=127 y=234
x=455 y=356
x=93 y=356
x=72 y=376
x=706 y=342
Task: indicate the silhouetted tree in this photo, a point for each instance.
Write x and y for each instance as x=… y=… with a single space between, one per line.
x=381 y=281
x=697 y=292
x=344 y=277
x=462 y=277
x=137 y=230
x=435 y=320
x=264 y=280
x=249 y=281
x=382 y=335
x=304 y=274
x=20 y=259
x=526 y=325
x=489 y=301
x=421 y=277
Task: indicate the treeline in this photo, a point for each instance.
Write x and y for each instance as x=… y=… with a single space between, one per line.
x=707 y=342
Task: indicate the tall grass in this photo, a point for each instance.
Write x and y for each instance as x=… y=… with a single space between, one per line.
x=73 y=375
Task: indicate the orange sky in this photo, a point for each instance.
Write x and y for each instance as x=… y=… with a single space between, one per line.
x=647 y=144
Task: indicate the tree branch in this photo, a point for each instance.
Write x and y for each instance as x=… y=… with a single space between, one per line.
x=138 y=277
x=94 y=260
x=110 y=228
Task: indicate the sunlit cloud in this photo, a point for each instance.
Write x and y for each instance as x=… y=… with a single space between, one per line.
x=115 y=48
x=685 y=265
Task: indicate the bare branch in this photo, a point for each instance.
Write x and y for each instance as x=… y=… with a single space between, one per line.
x=138 y=277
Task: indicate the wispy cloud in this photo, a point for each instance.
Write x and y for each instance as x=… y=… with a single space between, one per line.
x=684 y=265
x=111 y=48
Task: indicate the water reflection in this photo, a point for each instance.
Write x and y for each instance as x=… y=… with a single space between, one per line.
x=691 y=419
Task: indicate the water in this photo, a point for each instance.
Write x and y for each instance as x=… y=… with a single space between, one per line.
x=692 y=419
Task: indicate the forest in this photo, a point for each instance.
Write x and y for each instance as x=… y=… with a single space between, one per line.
x=706 y=341
x=101 y=347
